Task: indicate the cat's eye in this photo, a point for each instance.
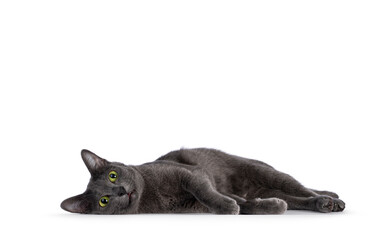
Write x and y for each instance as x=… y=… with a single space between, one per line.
x=112 y=176
x=104 y=201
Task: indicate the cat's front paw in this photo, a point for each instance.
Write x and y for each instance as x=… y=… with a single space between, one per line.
x=277 y=206
x=228 y=206
x=264 y=206
x=234 y=209
x=270 y=206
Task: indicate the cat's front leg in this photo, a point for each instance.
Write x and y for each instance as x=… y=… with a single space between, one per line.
x=200 y=186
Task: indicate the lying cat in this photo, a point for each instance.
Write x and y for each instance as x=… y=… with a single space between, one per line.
x=195 y=181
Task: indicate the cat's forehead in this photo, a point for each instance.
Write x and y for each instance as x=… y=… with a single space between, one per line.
x=114 y=166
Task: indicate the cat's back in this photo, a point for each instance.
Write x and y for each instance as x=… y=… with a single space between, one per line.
x=193 y=157
x=209 y=158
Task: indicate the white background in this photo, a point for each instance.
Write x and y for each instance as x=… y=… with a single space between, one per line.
x=301 y=85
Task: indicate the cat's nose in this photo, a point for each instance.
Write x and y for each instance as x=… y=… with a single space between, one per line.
x=121 y=191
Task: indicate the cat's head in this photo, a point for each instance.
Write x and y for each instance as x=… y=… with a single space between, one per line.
x=114 y=188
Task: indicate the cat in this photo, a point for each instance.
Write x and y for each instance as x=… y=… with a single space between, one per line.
x=195 y=181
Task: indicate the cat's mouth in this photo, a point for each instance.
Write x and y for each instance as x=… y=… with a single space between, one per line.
x=130 y=193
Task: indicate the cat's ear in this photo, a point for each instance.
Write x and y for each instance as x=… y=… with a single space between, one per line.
x=77 y=204
x=92 y=161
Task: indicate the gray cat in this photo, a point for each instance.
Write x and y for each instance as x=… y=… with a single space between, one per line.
x=195 y=181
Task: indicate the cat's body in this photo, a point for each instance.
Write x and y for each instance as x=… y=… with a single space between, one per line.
x=195 y=181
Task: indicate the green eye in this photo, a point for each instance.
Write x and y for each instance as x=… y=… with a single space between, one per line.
x=104 y=201
x=112 y=176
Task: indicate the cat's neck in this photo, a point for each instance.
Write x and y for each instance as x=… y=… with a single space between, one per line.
x=149 y=183
x=140 y=184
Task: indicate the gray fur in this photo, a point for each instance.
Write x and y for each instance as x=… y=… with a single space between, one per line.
x=196 y=181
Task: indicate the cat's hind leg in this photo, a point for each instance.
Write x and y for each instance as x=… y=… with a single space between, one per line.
x=273 y=183
x=319 y=203
x=327 y=193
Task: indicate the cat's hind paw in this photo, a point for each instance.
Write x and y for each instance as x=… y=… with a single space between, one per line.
x=326 y=204
x=339 y=205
